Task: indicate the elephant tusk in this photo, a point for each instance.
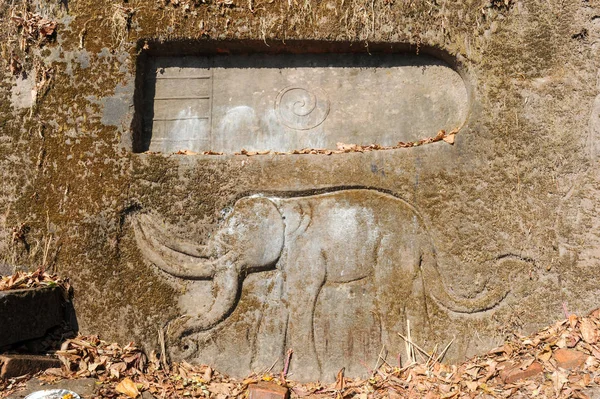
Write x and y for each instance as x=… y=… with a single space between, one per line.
x=174 y=262
x=184 y=247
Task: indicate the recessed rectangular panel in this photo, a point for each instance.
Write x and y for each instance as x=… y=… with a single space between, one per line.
x=285 y=102
x=184 y=87
x=181 y=107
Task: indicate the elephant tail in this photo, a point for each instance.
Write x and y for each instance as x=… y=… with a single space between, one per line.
x=490 y=298
x=481 y=303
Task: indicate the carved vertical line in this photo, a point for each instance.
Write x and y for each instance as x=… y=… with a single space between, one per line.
x=165 y=127
x=312 y=314
x=210 y=108
x=420 y=268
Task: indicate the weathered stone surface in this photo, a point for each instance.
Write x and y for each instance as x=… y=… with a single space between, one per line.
x=513 y=204
x=29 y=313
x=264 y=390
x=331 y=250
x=17 y=365
x=289 y=102
x=6 y=269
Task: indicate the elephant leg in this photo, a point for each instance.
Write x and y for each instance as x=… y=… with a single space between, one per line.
x=304 y=278
x=400 y=293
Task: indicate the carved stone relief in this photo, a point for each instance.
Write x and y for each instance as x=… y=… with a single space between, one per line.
x=594 y=126
x=286 y=102
x=345 y=270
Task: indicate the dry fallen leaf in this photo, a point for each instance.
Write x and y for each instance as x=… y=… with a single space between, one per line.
x=207 y=375
x=545 y=355
x=339 y=381
x=573 y=320
x=472 y=385
x=127 y=387
x=588 y=331
x=449 y=138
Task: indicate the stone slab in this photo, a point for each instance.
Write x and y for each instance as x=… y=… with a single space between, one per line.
x=288 y=102
x=17 y=365
x=520 y=182
x=29 y=313
x=348 y=268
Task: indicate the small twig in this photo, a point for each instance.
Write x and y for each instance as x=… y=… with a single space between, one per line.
x=270 y=368
x=410 y=352
x=163 y=349
x=564 y=306
x=407 y=367
x=423 y=351
x=383 y=361
x=286 y=367
x=46 y=251
x=433 y=352
x=407 y=345
x=441 y=355
x=377 y=365
x=371 y=371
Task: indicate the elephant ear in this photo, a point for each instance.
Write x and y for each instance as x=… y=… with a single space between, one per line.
x=255 y=231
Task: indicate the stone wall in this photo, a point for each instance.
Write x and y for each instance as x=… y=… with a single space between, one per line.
x=491 y=235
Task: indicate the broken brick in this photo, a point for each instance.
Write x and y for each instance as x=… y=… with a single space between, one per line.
x=17 y=365
x=514 y=373
x=569 y=358
x=264 y=390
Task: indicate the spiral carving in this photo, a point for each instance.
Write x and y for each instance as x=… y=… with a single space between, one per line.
x=302 y=109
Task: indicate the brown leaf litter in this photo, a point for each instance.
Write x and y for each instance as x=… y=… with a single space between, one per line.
x=342 y=148
x=37 y=279
x=560 y=361
x=34 y=27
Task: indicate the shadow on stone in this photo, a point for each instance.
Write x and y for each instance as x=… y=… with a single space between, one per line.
x=34 y=322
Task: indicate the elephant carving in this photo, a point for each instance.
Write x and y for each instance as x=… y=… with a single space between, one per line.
x=338 y=237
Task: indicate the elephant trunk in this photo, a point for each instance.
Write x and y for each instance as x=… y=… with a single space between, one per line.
x=226 y=282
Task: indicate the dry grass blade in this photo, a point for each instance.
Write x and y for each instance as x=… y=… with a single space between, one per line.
x=413 y=345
